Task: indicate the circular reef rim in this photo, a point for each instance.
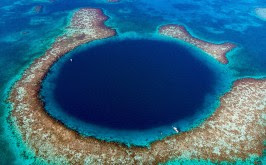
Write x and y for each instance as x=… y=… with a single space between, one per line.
x=118 y=134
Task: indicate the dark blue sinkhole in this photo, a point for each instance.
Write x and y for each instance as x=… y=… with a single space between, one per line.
x=132 y=84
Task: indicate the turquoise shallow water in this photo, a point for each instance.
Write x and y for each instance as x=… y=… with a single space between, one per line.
x=25 y=35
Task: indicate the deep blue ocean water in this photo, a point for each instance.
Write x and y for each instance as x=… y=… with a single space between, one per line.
x=213 y=20
x=131 y=84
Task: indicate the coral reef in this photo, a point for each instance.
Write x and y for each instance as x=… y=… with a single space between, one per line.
x=236 y=130
x=217 y=51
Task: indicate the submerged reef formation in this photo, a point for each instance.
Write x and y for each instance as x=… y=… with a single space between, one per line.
x=113 y=0
x=261 y=13
x=38 y=9
x=217 y=51
x=235 y=131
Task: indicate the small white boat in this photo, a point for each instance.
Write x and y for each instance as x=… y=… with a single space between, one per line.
x=175 y=129
x=71 y=60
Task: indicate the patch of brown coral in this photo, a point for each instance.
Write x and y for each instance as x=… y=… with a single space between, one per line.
x=113 y=0
x=235 y=130
x=217 y=51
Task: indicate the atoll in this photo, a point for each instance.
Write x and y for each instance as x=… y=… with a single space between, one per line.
x=236 y=130
x=217 y=51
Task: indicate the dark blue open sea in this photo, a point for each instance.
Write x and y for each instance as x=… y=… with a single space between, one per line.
x=134 y=87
